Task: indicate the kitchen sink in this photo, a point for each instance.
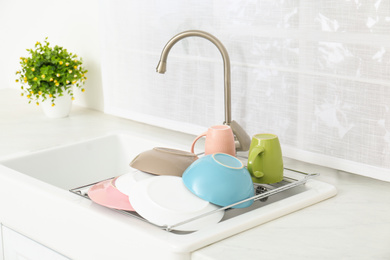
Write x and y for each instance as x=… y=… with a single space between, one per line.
x=77 y=166
x=84 y=162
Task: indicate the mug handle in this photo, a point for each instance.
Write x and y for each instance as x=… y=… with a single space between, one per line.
x=196 y=139
x=256 y=151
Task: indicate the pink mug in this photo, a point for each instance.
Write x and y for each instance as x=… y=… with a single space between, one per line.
x=219 y=139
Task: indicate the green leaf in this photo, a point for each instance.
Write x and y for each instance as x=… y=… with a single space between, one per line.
x=45 y=60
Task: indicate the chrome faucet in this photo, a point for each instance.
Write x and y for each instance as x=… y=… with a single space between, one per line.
x=242 y=138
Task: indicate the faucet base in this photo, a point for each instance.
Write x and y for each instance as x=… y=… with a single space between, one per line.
x=243 y=140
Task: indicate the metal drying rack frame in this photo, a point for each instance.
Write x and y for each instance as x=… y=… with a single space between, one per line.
x=263 y=191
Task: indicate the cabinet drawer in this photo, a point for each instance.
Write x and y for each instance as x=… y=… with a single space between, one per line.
x=19 y=247
x=1 y=243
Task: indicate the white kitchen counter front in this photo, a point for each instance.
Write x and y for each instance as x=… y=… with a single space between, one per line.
x=353 y=225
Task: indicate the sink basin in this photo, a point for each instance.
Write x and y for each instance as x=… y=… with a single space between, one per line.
x=80 y=164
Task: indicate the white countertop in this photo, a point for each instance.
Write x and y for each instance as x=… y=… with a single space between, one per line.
x=353 y=225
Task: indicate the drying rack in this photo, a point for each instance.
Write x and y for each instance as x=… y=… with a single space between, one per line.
x=291 y=179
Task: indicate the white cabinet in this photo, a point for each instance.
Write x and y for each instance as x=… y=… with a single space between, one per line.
x=19 y=247
x=1 y=243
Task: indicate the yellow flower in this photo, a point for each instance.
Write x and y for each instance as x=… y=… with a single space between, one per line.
x=57 y=84
x=37 y=43
x=51 y=79
x=40 y=93
x=75 y=67
x=32 y=69
x=85 y=77
x=16 y=80
x=52 y=105
x=25 y=60
x=74 y=82
x=50 y=95
x=43 y=76
x=72 y=98
x=67 y=82
x=25 y=81
x=25 y=78
x=37 y=103
x=55 y=81
x=28 y=96
x=61 y=62
x=58 y=74
x=17 y=72
x=70 y=71
x=82 y=90
x=35 y=79
x=67 y=64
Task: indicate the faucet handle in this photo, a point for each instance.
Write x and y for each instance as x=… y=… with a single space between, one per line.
x=244 y=141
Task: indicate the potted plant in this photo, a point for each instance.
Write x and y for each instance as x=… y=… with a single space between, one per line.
x=48 y=76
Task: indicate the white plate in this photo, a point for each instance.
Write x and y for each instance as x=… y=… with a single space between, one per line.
x=124 y=182
x=165 y=201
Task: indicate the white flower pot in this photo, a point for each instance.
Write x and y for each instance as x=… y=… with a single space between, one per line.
x=61 y=109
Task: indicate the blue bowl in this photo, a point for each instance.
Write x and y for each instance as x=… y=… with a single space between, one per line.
x=220 y=179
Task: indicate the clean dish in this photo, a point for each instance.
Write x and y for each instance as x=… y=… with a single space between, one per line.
x=106 y=194
x=165 y=201
x=163 y=161
x=124 y=182
x=221 y=179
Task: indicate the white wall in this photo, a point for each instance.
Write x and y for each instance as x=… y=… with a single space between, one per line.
x=72 y=24
x=316 y=73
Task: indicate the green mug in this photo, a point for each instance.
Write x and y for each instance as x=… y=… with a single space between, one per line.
x=265 y=162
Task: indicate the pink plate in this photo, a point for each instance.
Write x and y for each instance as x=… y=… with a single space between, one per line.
x=106 y=194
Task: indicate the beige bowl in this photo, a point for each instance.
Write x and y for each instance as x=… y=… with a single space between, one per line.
x=163 y=161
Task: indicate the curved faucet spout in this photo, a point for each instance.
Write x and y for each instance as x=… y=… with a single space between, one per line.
x=243 y=139
x=162 y=65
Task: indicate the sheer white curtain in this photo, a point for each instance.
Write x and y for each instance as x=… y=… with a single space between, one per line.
x=316 y=73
